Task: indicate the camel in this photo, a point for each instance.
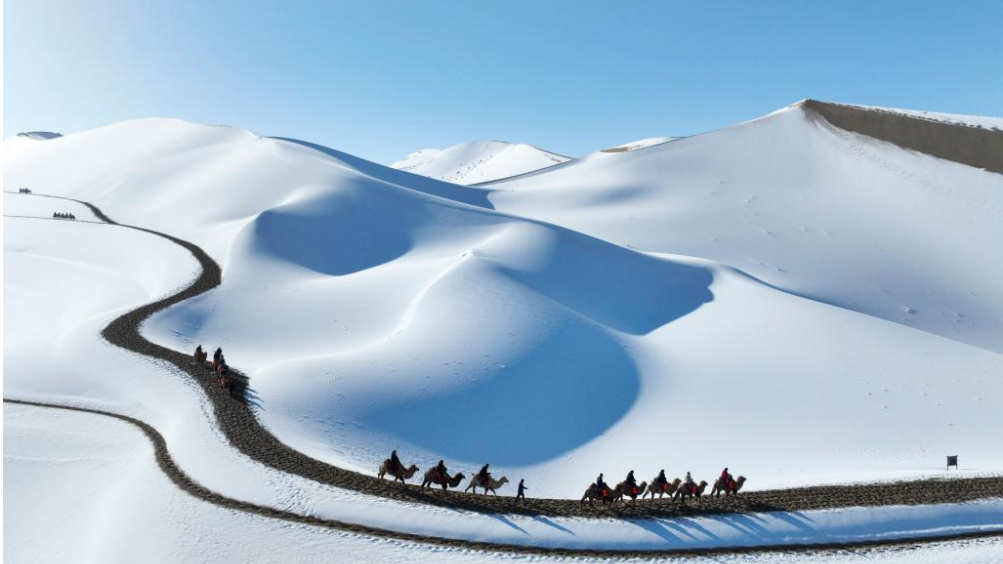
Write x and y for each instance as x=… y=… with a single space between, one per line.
x=632 y=493
x=719 y=487
x=398 y=473
x=612 y=494
x=432 y=476
x=662 y=489
x=489 y=485
x=684 y=492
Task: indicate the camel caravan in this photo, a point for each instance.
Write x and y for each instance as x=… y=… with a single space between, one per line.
x=58 y=215
x=439 y=475
x=23 y=191
x=219 y=368
x=677 y=489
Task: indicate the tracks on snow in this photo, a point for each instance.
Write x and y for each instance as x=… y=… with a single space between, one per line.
x=242 y=429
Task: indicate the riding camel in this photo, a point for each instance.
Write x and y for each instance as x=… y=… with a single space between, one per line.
x=728 y=489
x=684 y=492
x=609 y=495
x=397 y=471
x=432 y=476
x=662 y=488
x=489 y=484
x=631 y=492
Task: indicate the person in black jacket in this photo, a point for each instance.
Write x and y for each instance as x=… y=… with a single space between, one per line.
x=632 y=483
x=483 y=475
x=522 y=491
x=601 y=486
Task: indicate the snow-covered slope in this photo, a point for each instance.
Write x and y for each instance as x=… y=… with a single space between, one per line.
x=478 y=161
x=377 y=309
x=96 y=477
x=839 y=217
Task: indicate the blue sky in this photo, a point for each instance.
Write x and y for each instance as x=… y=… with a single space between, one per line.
x=380 y=79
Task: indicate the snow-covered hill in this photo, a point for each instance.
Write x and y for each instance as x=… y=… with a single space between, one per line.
x=809 y=208
x=800 y=303
x=478 y=161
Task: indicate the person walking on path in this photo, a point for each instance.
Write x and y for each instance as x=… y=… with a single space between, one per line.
x=522 y=491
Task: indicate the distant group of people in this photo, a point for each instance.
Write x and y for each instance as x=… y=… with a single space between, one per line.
x=58 y=215
x=23 y=191
x=219 y=366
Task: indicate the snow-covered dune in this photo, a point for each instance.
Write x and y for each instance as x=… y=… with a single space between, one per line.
x=377 y=309
x=840 y=217
x=476 y=162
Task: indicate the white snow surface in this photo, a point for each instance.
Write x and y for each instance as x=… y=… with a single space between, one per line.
x=96 y=478
x=475 y=162
x=810 y=209
x=800 y=304
x=372 y=311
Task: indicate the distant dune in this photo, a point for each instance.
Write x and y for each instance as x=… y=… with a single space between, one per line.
x=476 y=162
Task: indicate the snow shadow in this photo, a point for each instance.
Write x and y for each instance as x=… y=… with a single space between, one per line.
x=621 y=289
x=334 y=244
x=575 y=380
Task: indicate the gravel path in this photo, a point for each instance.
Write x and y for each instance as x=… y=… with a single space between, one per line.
x=243 y=430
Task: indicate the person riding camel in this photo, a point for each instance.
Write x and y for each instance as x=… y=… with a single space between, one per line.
x=662 y=480
x=689 y=483
x=441 y=469
x=395 y=462
x=632 y=482
x=601 y=486
x=727 y=482
x=483 y=475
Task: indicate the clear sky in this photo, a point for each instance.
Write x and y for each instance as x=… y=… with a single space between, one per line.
x=380 y=79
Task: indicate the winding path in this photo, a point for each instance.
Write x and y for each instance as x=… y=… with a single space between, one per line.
x=242 y=429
